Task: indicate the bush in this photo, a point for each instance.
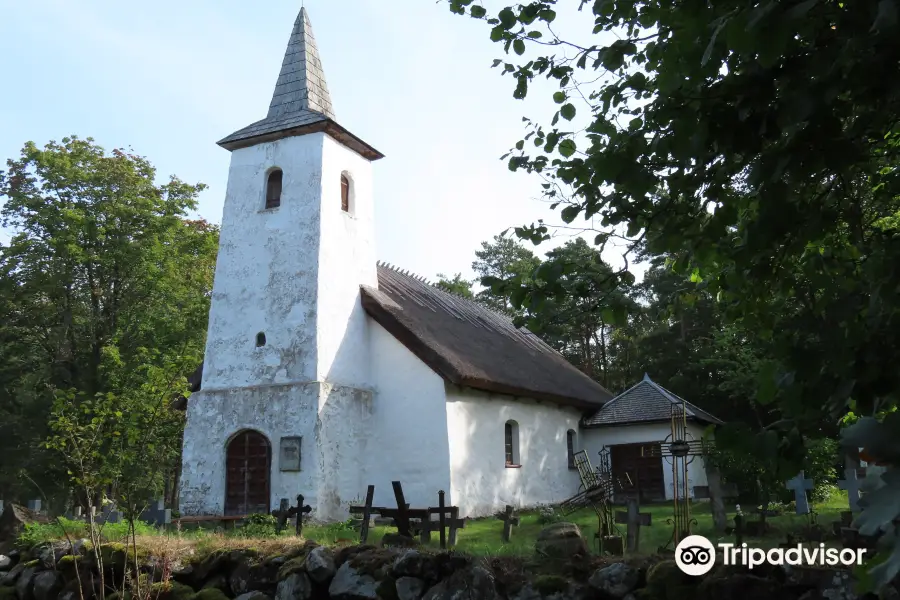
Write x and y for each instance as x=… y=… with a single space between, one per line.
x=258 y=526
x=822 y=456
x=548 y=515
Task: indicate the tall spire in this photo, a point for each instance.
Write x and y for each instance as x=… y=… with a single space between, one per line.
x=301 y=84
x=300 y=103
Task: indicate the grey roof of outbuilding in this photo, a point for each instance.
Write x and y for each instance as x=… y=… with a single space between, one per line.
x=301 y=102
x=644 y=403
x=472 y=346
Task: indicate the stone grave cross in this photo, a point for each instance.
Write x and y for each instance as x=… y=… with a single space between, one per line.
x=852 y=485
x=509 y=521
x=799 y=485
x=632 y=519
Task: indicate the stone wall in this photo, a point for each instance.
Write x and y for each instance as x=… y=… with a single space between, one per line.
x=313 y=572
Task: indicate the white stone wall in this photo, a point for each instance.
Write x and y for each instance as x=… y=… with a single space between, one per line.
x=593 y=440
x=347 y=260
x=408 y=426
x=266 y=272
x=330 y=420
x=481 y=484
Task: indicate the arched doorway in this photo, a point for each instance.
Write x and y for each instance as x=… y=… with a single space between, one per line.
x=248 y=461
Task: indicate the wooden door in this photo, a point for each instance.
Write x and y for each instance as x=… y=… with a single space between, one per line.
x=642 y=464
x=248 y=461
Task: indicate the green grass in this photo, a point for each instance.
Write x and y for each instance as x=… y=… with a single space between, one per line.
x=481 y=537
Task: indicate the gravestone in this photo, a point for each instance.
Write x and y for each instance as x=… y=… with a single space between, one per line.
x=157 y=514
x=109 y=514
x=800 y=485
x=633 y=519
x=852 y=485
x=34 y=505
x=509 y=521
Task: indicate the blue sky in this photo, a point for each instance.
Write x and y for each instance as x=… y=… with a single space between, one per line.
x=169 y=79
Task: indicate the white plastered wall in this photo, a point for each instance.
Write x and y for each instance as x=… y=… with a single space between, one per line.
x=481 y=483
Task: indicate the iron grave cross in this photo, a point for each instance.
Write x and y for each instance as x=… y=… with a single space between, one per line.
x=852 y=485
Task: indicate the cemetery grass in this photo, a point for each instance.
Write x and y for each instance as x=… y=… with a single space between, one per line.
x=481 y=537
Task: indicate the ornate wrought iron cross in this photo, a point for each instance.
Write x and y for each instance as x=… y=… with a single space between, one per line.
x=679 y=450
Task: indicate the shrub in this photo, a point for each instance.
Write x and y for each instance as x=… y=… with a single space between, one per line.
x=258 y=526
x=548 y=515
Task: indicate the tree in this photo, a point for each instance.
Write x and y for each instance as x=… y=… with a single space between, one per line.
x=498 y=260
x=457 y=285
x=757 y=142
x=104 y=281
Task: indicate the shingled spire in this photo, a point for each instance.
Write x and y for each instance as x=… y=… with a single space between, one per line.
x=300 y=103
x=301 y=84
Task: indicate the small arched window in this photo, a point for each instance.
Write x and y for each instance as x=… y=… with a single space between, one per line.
x=511 y=439
x=273 y=188
x=345 y=193
x=260 y=339
x=570 y=447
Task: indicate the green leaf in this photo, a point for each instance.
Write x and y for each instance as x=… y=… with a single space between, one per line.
x=477 y=11
x=547 y=15
x=535 y=35
x=507 y=18
x=569 y=213
x=519 y=47
x=559 y=97
x=767 y=386
x=567 y=147
x=567 y=111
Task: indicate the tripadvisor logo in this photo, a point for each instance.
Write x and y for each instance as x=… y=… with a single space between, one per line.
x=696 y=555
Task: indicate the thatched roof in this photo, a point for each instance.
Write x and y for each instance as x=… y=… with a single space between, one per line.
x=470 y=345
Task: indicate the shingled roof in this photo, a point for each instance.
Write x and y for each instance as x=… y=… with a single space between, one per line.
x=470 y=345
x=301 y=102
x=646 y=402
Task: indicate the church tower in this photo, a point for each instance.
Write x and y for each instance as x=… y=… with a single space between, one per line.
x=287 y=346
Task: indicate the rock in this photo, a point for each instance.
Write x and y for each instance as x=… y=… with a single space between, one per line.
x=548 y=587
x=395 y=540
x=219 y=582
x=253 y=596
x=211 y=565
x=239 y=579
x=80 y=546
x=210 y=593
x=840 y=587
x=320 y=564
x=666 y=581
x=742 y=586
x=409 y=588
x=561 y=540
x=295 y=587
x=350 y=584
x=6 y=562
x=13 y=575
x=615 y=581
x=469 y=584
x=47 y=585
x=25 y=583
x=185 y=575
x=171 y=590
x=412 y=563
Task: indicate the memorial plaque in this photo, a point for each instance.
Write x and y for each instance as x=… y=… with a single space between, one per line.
x=290 y=454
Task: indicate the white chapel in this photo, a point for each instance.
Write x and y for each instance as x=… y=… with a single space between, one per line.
x=326 y=371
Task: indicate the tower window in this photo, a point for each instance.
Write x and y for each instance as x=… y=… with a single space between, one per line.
x=260 y=339
x=345 y=193
x=273 y=189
